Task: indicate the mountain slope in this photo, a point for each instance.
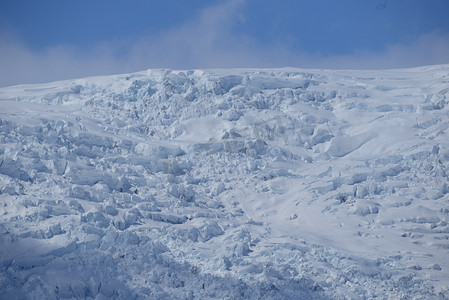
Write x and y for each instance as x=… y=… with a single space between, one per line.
x=292 y=184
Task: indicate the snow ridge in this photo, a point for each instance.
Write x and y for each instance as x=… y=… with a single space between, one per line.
x=227 y=184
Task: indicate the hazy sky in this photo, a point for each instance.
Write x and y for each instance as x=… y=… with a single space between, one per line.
x=60 y=39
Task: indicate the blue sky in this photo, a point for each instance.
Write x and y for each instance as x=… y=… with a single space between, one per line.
x=60 y=39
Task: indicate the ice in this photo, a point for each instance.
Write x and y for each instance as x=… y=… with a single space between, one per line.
x=227 y=184
x=343 y=145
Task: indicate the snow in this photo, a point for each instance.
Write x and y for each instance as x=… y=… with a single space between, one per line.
x=227 y=184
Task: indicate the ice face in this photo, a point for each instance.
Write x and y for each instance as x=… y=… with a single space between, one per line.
x=227 y=184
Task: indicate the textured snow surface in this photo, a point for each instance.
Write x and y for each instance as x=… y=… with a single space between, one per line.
x=227 y=184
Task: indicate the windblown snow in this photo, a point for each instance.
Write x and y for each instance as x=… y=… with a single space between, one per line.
x=227 y=184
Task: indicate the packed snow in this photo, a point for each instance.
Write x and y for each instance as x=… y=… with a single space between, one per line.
x=227 y=184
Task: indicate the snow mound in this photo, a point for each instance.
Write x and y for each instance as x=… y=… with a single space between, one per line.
x=227 y=184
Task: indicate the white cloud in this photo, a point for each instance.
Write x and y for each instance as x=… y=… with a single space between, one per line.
x=205 y=41
x=428 y=49
x=19 y=64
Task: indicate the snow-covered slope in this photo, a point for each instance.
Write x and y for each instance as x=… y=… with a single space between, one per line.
x=227 y=184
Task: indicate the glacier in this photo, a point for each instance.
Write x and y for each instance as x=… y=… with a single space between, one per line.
x=227 y=184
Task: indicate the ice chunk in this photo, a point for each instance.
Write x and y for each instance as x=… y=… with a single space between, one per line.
x=343 y=145
x=211 y=230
